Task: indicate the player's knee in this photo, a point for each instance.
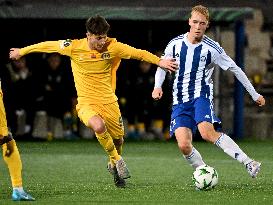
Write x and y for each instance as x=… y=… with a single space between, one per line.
x=8 y=144
x=97 y=124
x=6 y=139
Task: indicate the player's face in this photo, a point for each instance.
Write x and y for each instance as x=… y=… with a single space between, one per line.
x=198 y=25
x=96 y=42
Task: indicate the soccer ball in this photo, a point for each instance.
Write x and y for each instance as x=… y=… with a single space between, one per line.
x=205 y=177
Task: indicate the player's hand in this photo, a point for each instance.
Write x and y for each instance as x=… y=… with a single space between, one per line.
x=10 y=149
x=157 y=93
x=260 y=101
x=168 y=64
x=14 y=54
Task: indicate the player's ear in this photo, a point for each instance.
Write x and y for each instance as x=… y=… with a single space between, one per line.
x=208 y=24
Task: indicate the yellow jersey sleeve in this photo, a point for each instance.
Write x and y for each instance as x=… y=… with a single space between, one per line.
x=63 y=47
x=126 y=52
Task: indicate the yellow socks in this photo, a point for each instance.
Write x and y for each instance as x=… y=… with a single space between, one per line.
x=12 y=158
x=107 y=143
x=118 y=144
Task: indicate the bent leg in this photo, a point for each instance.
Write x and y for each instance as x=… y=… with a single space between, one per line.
x=184 y=140
x=104 y=138
x=223 y=141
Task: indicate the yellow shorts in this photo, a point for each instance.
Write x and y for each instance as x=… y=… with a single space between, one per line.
x=3 y=119
x=110 y=113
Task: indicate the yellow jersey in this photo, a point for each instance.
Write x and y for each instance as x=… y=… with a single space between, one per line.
x=94 y=72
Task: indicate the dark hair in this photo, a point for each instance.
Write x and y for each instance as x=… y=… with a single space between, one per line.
x=97 y=25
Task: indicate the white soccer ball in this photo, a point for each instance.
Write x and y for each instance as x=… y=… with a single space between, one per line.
x=205 y=177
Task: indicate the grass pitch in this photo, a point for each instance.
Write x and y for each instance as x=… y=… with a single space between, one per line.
x=74 y=172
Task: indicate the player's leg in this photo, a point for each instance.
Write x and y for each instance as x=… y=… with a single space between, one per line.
x=111 y=166
x=103 y=136
x=205 y=119
x=181 y=125
x=11 y=157
x=119 y=144
x=184 y=140
x=115 y=127
x=117 y=166
x=90 y=116
x=108 y=144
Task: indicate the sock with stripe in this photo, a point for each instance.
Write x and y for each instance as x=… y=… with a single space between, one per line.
x=232 y=149
x=194 y=158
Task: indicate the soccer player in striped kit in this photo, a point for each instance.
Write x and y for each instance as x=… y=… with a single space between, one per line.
x=12 y=157
x=94 y=61
x=196 y=55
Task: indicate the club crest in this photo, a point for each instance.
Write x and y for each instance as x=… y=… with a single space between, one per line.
x=105 y=55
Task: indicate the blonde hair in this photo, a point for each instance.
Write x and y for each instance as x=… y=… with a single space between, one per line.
x=202 y=10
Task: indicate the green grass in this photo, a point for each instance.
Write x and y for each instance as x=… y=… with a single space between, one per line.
x=74 y=172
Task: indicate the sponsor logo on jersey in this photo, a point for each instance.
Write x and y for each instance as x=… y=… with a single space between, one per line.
x=93 y=55
x=105 y=55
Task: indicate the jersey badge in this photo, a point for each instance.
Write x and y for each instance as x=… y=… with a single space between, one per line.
x=105 y=55
x=203 y=58
x=67 y=42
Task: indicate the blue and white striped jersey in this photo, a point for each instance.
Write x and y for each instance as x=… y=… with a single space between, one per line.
x=196 y=64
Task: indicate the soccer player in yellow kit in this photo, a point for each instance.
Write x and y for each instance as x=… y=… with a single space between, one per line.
x=94 y=61
x=11 y=157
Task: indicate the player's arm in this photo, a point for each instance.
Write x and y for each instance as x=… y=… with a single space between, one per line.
x=159 y=79
x=62 y=47
x=160 y=75
x=241 y=76
x=125 y=51
x=226 y=63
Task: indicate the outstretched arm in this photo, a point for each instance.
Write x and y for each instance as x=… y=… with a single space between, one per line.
x=63 y=47
x=241 y=76
x=226 y=63
x=125 y=51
